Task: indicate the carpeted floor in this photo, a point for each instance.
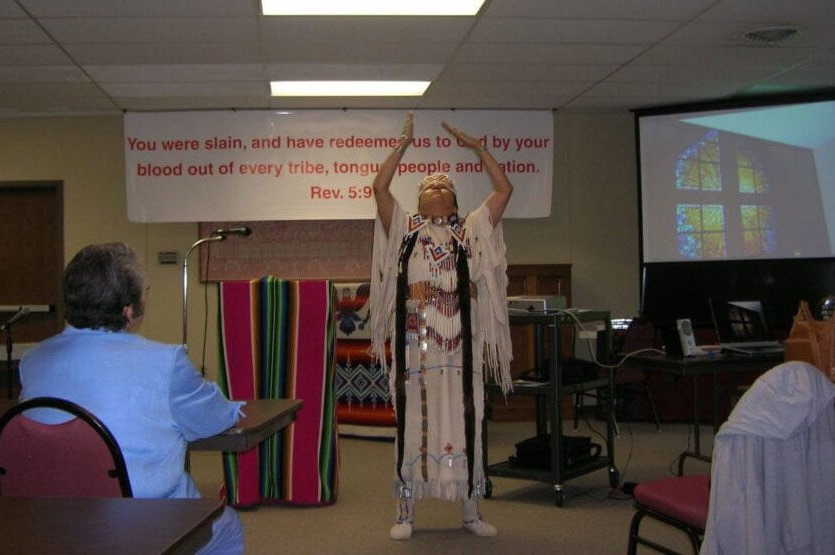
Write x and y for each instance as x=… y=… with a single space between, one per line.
x=593 y=520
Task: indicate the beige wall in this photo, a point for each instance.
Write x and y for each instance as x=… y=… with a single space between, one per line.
x=86 y=154
x=593 y=224
x=594 y=217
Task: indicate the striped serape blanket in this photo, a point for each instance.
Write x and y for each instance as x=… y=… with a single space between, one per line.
x=277 y=341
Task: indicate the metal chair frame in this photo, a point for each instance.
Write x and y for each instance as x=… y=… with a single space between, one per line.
x=694 y=534
x=120 y=469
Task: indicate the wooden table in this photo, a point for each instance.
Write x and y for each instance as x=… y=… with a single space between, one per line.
x=710 y=365
x=103 y=526
x=262 y=418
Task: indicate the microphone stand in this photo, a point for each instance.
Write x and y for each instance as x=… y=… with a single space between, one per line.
x=196 y=244
x=217 y=235
x=7 y=327
x=10 y=379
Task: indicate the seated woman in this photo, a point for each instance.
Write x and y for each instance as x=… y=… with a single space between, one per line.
x=148 y=394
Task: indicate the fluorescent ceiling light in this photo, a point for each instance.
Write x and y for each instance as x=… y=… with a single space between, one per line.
x=370 y=7
x=348 y=88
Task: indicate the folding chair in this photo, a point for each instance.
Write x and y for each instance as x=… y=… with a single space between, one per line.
x=681 y=501
x=76 y=458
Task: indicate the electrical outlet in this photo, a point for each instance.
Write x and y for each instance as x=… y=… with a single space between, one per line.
x=168 y=257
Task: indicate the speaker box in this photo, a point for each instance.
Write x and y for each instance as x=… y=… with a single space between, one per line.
x=679 y=339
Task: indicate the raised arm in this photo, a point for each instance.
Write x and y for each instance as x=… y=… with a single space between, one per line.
x=382 y=181
x=497 y=201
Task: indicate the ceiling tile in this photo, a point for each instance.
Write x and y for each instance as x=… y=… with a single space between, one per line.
x=771 y=11
x=720 y=33
x=339 y=72
x=21 y=31
x=126 y=8
x=9 y=8
x=172 y=73
x=711 y=56
x=548 y=53
x=571 y=31
x=42 y=74
x=565 y=89
x=37 y=98
x=342 y=52
x=193 y=90
x=424 y=30
x=515 y=54
x=164 y=53
x=531 y=72
x=167 y=103
x=679 y=10
x=99 y=30
x=32 y=55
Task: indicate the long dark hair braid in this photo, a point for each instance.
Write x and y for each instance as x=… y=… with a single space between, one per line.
x=400 y=344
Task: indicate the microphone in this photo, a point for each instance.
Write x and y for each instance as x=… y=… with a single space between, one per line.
x=223 y=232
x=22 y=313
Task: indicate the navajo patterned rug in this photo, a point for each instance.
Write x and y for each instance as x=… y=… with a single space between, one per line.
x=364 y=404
x=277 y=341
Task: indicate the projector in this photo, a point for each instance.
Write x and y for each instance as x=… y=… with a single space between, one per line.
x=536 y=303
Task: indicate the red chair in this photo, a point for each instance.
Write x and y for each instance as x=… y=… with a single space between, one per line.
x=681 y=502
x=77 y=458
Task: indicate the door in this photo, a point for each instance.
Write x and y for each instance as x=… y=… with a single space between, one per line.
x=31 y=262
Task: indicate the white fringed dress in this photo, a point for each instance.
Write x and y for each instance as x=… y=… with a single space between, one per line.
x=434 y=440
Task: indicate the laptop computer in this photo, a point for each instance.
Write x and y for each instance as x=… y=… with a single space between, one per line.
x=742 y=327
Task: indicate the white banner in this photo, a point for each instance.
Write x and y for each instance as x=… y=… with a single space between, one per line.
x=319 y=165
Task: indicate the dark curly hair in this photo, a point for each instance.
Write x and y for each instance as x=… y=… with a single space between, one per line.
x=99 y=282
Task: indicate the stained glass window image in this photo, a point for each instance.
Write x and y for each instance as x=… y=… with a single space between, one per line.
x=700 y=219
x=700 y=231
x=742 y=323
x=758 y=235
x=752 y=178
x=697 y=168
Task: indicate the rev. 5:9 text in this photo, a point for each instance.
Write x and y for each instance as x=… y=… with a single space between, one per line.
x=352 y=192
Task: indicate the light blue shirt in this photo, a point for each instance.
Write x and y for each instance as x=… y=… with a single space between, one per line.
x=148 y=394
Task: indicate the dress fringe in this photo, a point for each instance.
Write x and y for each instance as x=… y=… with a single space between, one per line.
x=446 y=491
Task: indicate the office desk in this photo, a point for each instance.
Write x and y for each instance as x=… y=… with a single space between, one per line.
x=262 y=418
x=707 y=365
x=103 y=526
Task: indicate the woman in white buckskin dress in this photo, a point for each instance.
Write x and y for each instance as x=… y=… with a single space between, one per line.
x=439 y=294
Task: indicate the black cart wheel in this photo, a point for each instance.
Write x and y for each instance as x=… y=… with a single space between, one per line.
x=559 y=496
x=488 y=488
x=614 y=477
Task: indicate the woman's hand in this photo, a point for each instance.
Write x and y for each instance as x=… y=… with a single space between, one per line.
x=462 y=137
x=408 y=132
x=497 y=201
x=382 y=181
